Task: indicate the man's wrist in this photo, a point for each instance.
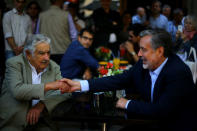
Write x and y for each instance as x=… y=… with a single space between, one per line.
x=84 y=85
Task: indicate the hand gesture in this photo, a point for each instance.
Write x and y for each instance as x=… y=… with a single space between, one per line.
x=17 y=50
x=129 y=46
x=56 y=85
x=34 y=113
x=72 y=86
x=87 y=74
x=121 y=103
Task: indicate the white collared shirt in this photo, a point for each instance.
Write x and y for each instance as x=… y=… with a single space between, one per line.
x=16 y=26
x=36 y=79
x=154 y=75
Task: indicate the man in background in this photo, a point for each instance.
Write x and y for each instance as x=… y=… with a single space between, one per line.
x=77 y=61
x=16 y=27
x=58 y=25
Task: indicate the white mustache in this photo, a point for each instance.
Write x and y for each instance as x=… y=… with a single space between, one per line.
x=45 y=61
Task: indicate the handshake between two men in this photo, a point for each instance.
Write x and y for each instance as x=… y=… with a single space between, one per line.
x=69 y=86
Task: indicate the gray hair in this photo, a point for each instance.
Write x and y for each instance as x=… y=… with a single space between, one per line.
x=160 y=38
x=193 y=20
x=33 y=40
x=140 y=9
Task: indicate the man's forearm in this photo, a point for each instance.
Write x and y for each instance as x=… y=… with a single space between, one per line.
x=12 y=43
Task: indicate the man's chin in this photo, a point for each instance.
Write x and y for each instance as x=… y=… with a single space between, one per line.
x=145 y=66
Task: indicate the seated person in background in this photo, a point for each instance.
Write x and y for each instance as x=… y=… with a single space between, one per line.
x=77 y=60
x=132 y=44
x=29 y=91
x=126 y=21
x=173 y=25
x=188 y=37
x=163 y=80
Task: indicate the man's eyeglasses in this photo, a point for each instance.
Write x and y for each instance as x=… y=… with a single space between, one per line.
x=86 y=38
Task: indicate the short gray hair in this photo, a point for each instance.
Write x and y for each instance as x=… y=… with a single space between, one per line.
x=160 y=38
x=193 y=20
x=33 y=40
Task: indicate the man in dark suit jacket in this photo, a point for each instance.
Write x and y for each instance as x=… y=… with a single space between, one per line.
x=162 y=79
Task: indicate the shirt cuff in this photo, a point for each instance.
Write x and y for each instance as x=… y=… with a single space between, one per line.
x=84 y=85
x=127 y=104
x=8 y=34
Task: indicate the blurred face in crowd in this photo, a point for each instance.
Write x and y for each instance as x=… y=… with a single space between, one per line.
x=166 y=12
x=141 y=11
x=86 y=39
x=189 y=25
x=132 y=37
x=152 y=58
x=41 y=57
x=33 y=11
x=105 y=4
x=156 y=8
x=178 y=17
x=126 y=19
x=19 y=5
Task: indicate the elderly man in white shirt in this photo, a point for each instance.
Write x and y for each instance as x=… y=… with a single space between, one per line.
x=16 y=27
x=30 y=90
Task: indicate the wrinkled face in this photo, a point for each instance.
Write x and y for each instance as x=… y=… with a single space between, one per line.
x=19 y=5
x=105 y=4
x=188 y=25
x=86 y=39
x=156 y=8
x=41 y=57
x=132 y=37
x=33 y=10
x=151 y=58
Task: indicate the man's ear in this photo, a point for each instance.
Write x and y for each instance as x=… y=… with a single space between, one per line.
x=160 y=51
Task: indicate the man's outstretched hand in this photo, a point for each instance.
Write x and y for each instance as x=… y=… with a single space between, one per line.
x=72 y=86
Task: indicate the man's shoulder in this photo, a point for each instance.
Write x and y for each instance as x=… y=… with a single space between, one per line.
x=8 y=13
x=16 y=58
x=53 y=10
x=16 y=61
x=75 y=45
x=163 y=17
x=175 y=66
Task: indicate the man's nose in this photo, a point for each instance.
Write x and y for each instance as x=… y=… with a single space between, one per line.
x=46 y=56
x=139 y=53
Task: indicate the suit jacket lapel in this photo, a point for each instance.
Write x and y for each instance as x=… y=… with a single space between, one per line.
x=147 y=82
x=28 y=71
x=159 y=82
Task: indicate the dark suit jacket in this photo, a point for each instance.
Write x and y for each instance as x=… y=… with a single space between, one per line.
x=173 y=91
x=75 y=60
